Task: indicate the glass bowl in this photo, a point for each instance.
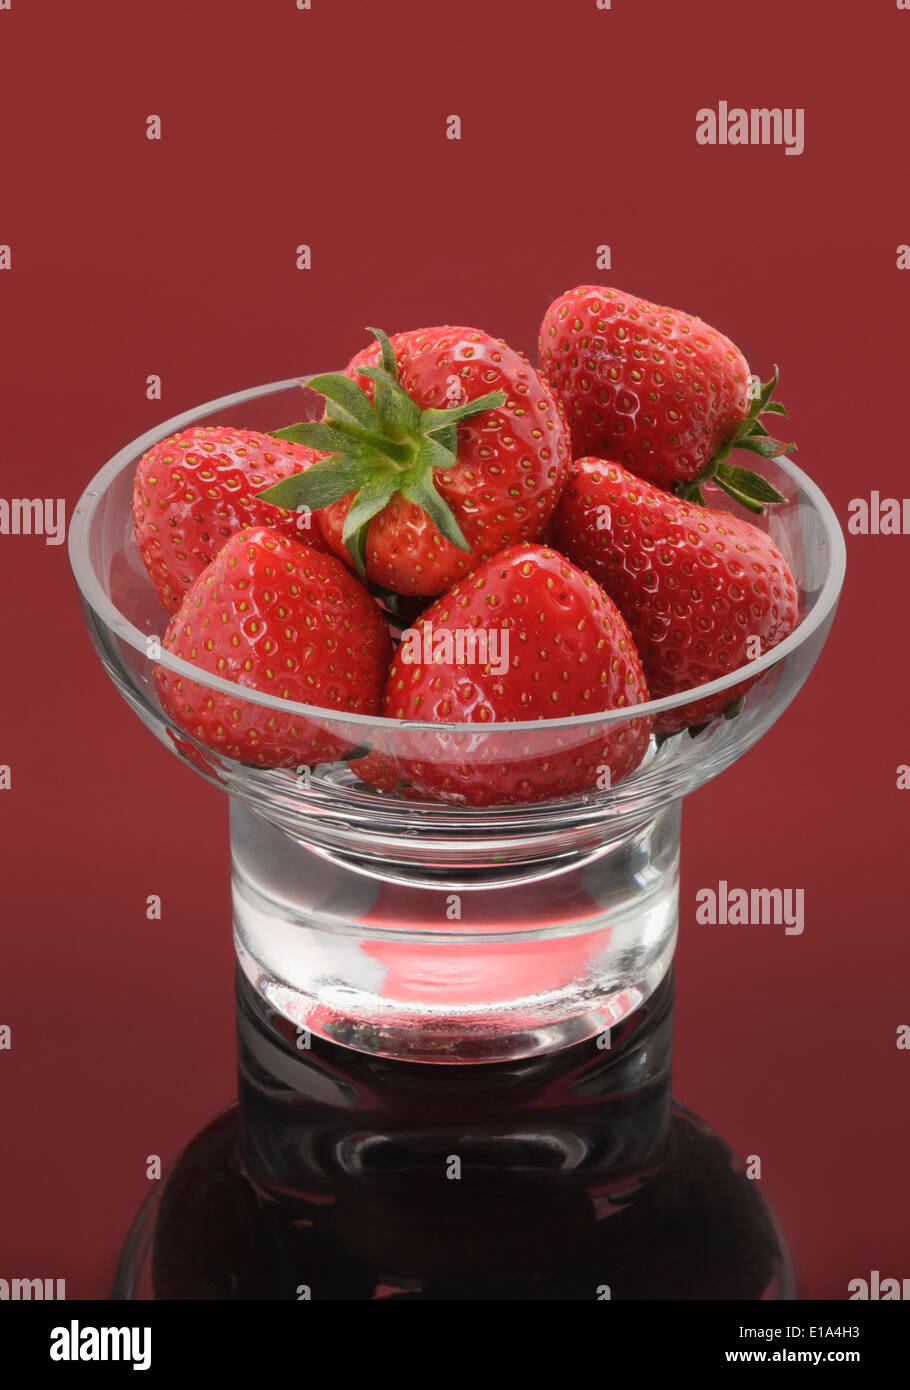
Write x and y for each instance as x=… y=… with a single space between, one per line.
x=430 y=929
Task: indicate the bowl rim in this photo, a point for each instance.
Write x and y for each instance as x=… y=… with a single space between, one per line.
x=97 y=598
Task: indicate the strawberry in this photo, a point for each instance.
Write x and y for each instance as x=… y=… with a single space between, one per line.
x=277 y=616
x=378 y=770
x=660 y=391
x=381 y=772
x=196 y=489
x=446 y=446
x=694 y=584
x=561 y=649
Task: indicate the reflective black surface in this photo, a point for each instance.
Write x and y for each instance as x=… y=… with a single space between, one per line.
x=339 y=1175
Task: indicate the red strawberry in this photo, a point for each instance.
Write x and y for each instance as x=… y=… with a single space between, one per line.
x=694 y=584
x=381 y=772
x=658 y=390
x=378 y=770
x=197 y=488
x=562 y=649
x=446 y=447
x=275 y=616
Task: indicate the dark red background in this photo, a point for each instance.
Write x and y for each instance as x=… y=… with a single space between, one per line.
x=133 y=257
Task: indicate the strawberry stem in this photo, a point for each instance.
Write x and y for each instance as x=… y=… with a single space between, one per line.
x=750 y=489
x=377 y=449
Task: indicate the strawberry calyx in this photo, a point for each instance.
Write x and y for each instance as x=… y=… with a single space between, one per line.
x=376 y=450
x=750 y=489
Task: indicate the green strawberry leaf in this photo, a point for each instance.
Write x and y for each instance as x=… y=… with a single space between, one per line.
x=432 y=420
x=349 y=398
x=291 y=432
x=691 y=492
x=383 y=393
x=397 y=407
x=357 y=549
x=448 y=440
x=372 y=497
x=420 y=490
x=434 y=454
x=742 y=498
x=389 y=360
x=768 y=447
x=318 y=434
x=748 y=484
x=765 y=392
x=326 y=482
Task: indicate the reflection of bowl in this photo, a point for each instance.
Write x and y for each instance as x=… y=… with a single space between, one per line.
x=425 y=928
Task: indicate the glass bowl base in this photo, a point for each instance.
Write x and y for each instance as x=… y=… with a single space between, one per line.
x=425 y=971
x=487 y=1036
